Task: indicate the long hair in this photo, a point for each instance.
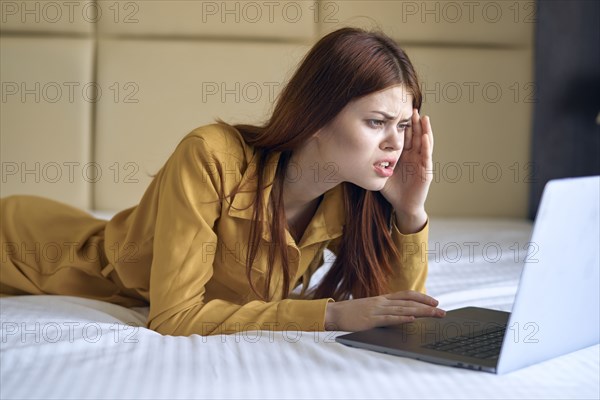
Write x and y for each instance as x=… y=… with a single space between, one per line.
x=342 y=66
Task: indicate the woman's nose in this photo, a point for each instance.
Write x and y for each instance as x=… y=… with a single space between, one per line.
x=394 y=141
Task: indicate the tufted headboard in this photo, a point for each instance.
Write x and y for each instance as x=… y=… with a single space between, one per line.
x=96 y=94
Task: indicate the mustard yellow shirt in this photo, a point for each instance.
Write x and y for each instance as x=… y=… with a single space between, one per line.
x=187 y=258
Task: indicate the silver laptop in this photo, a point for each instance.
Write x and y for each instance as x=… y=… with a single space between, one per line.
x=556 y=308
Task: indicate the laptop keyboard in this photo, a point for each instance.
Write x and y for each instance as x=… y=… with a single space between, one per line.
x=485 y=345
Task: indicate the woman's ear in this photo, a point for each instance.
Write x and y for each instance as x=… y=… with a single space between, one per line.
x=317 y=134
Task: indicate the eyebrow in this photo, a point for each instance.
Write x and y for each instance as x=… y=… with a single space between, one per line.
x=387 y=116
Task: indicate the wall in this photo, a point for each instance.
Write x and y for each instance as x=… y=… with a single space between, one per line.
x=96 y=94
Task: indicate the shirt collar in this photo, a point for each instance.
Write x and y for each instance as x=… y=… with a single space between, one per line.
x=326 y=224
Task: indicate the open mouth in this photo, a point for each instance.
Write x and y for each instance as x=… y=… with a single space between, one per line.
x=383 y=169
x=385 y=165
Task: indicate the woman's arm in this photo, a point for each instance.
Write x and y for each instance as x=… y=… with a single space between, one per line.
x=182 y=266
x=407 y=297
x=410 y=271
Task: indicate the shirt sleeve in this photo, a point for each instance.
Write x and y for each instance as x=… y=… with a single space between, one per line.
x=188 y=208
x=410 y=271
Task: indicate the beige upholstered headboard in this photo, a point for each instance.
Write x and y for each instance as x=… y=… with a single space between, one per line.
x=96 y=94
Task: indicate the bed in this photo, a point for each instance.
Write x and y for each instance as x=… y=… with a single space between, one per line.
x=64 y=347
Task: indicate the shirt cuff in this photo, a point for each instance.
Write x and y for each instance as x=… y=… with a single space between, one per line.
x=394 y=230
x=413 y=246
x=303 y=315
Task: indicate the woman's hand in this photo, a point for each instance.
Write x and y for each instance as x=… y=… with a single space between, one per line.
x=389 y=309
x=407 y=188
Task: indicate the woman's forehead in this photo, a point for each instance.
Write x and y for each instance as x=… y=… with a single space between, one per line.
x=392 y=101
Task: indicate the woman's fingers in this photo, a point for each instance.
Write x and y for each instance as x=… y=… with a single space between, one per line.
x=427 y=144
x=411 y=308
x=409 y=133
x=385 y=320
x=417 y=131
x=429 y=133
x=410 y=302
x=426 y=137
x=412 y=295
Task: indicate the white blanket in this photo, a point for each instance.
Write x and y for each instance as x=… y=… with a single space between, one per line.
x=65 y=347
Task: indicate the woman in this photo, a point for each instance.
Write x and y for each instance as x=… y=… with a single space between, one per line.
x=240 y=215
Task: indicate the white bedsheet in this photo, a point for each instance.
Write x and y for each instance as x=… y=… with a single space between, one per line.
x=65 y=347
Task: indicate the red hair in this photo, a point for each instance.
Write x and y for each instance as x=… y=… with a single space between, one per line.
x=342 y=66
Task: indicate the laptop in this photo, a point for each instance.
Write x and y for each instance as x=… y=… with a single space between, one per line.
x=556 y=308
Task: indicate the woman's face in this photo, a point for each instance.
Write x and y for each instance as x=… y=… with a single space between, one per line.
x=360 y=136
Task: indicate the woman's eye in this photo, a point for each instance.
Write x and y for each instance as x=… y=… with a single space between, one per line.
x=378 y=121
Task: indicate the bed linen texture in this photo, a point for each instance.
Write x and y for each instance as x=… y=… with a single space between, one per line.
x=65 y=347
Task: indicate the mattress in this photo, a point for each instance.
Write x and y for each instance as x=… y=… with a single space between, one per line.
x=64 y=347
